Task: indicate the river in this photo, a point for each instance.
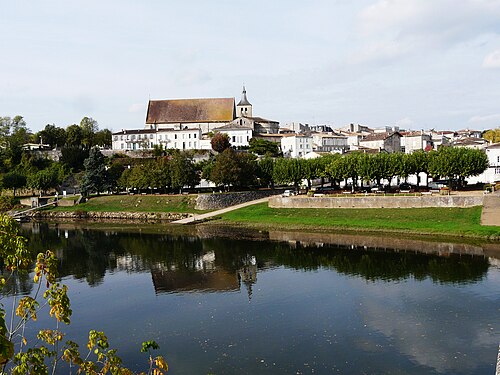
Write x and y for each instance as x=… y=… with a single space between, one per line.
x=234 y=301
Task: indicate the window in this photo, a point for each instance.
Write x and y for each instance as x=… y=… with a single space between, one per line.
x=133 y=137
x=122 y=146
x=151 y=136
x=194 y=136
x=175 y=136
x=234 y=139
x=159 y=137
x=115 y=138
x=189 y=135
x=189 y=144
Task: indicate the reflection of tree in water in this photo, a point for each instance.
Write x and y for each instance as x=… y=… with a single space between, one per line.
x=89 y=254
x=390 y=266
x=18 y=283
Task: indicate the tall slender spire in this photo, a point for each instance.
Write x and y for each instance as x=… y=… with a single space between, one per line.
x=244 y=100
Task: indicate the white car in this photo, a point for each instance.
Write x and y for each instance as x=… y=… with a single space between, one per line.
x=288 y=193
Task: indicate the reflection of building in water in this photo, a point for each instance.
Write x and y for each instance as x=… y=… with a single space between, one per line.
x=203 y=275
x=248 y=275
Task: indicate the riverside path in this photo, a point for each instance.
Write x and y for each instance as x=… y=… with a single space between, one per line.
x=491 y=209
x=208 y=215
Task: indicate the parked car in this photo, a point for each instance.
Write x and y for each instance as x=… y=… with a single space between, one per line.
x=289 y=193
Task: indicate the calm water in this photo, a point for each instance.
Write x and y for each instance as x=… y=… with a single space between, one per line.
x=243 y=306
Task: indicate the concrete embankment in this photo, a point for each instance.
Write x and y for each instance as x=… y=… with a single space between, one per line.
x=376 y=202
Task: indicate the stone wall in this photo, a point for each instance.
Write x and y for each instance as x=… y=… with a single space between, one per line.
x=105 y=216
x=376 y=202
x=223 y=200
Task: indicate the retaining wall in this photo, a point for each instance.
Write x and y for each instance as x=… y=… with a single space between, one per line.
x=140 y=216
x=376 y=202
x=223 y=200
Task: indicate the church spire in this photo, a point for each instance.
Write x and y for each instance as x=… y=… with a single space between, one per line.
x=244 y=100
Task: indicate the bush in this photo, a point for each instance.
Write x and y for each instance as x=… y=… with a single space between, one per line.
x=6 y=203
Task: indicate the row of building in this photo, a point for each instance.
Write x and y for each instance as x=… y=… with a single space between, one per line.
x=189 y=124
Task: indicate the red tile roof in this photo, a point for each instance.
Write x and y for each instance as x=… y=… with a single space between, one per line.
x=190 y=110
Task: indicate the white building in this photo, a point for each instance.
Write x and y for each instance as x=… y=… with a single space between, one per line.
x=417 y=140
x=296 y=146
x=146 y=139
x=238 y=135
x=492 y=174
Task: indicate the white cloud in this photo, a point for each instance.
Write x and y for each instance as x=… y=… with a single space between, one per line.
x=486 y=118
x=492 y=60
x=136 y=107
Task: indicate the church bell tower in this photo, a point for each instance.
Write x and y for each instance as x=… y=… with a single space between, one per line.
x=244 y=108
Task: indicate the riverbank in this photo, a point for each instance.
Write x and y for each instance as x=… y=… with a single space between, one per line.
x=448 y=222
x=435 y=221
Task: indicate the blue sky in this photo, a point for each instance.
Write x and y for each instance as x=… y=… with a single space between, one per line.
x=413 y=63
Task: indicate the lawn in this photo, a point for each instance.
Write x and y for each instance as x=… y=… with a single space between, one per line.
x=443 y=221
x=136 y=203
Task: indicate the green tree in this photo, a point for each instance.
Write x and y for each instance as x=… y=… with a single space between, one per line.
x=226 y=170
x=74 y=136
x=220 y=142
x=182 y=171
x=46 y=179
x=73 y=157
x=13 y=180
x=265 y=171
x=46 y=352
x=89 y=128
x=288 y=171
x=264 y=147
x=492 y=135
x=95 y=177
x=103 y=138
x=52 y=135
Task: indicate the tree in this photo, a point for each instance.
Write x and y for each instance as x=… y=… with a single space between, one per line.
x=265 y=171
x=95 y=177
x=49 y=350
x=74 y=156
x=264 y=147
x=52 y=135
x=13 y=180
x=89 y=128
x=226 y=170
x=492 y=135
x=74 y=136
x=103 y=138
x=288 y=171
x=182 y=171
x=220 y=142
x=46 y=179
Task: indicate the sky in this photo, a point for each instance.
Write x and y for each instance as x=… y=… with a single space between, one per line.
x=417 y=64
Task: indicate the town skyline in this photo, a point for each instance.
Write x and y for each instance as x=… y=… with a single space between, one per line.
x=408 y=63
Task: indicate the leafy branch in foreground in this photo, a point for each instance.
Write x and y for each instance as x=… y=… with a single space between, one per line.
x=43 y=355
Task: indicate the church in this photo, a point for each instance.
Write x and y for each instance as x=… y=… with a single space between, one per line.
x=186 y=124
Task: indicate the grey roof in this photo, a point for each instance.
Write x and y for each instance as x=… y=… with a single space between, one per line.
x=244 y=100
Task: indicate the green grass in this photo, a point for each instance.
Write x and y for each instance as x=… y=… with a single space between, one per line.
x=136 y=203
x=442 y=221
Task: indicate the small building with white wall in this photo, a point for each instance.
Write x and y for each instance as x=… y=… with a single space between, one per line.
x=295 y=145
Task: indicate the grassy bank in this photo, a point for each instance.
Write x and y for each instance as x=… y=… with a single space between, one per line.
x=441 y=221
x=136 y=203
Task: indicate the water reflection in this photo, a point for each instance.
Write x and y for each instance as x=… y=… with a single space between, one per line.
x=237 y=302
x=188 y=263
